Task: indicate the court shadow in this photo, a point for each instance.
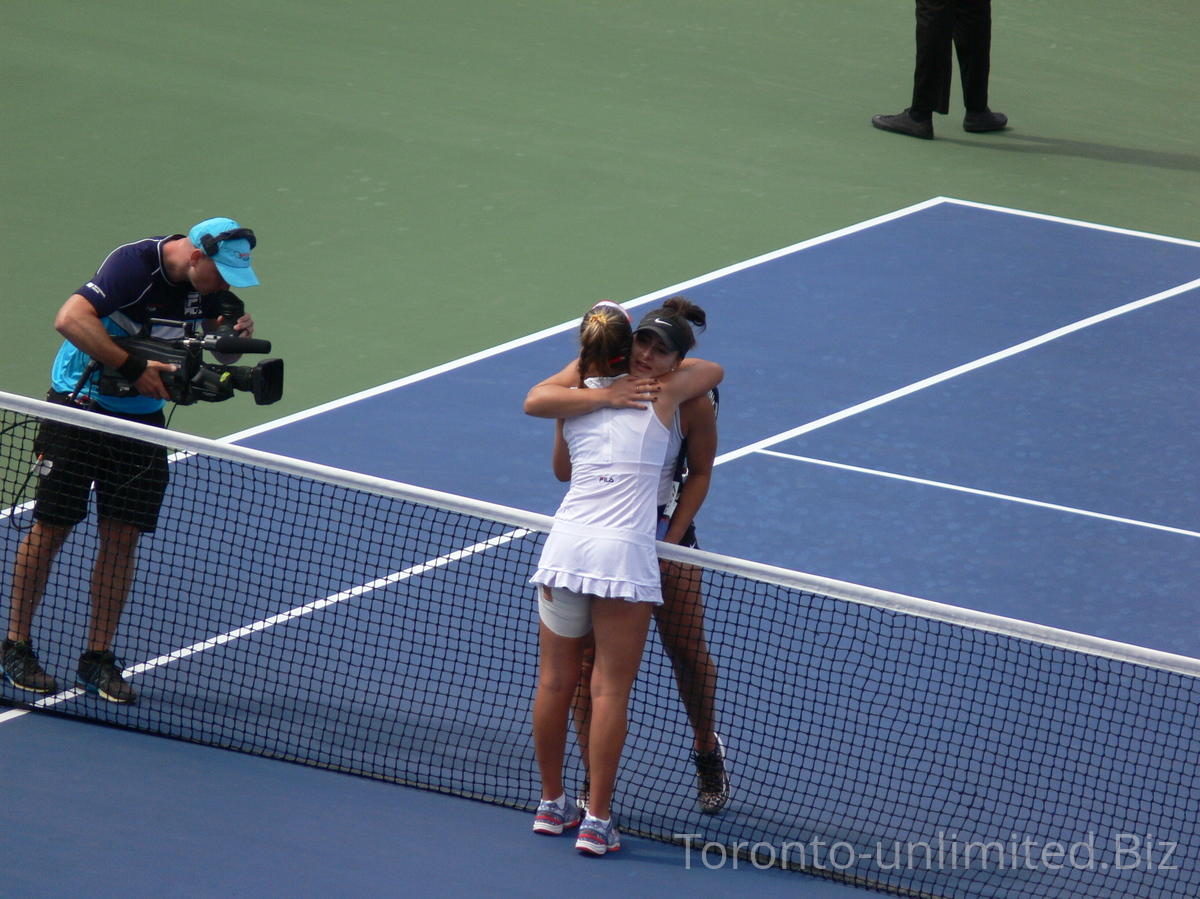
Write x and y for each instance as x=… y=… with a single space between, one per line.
x=1016 y=142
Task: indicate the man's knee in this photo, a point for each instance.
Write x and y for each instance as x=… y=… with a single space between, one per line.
x=118 y=533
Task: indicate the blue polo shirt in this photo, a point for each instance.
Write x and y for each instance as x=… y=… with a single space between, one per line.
x=130 y=288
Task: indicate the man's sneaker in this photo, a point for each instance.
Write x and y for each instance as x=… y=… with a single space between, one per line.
x=553 y=819
x=21 y=667
x=100 y=672
x=597 y=837
x=712 y=780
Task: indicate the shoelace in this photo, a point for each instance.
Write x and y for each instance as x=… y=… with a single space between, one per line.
x=711 y=768
x=108 y=660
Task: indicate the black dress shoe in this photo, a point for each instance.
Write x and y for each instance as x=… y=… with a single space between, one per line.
x=904 y=123
x=985 y=121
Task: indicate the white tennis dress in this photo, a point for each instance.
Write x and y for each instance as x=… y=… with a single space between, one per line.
x=602 y=541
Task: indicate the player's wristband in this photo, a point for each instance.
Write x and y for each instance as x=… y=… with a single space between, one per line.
x=131 y=369
x=664 y=525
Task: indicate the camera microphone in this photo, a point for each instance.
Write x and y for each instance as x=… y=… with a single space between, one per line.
x=219 y=343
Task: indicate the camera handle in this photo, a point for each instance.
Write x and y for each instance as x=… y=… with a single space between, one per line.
x=187 y=327
x=222 y=340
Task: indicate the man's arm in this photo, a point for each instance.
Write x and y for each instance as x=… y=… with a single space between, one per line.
x=79 y=322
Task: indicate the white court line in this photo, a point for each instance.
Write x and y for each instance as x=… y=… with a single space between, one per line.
x=685 y=285
x=985 y=493
x=15 y=510
x=574 y=323
x=316 y=605
x=1041 y=216
x=955 y=372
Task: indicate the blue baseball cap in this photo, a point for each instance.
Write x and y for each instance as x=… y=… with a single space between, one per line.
x=229 y=245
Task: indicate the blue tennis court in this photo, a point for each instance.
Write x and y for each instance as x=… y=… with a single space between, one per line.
x=971 y=405
x=981 y=407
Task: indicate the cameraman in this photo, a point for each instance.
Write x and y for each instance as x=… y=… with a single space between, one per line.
x=177 y=278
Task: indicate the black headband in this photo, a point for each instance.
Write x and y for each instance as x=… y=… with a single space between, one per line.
x=675 y=335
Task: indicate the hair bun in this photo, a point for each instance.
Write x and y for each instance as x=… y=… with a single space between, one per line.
x=689 y=310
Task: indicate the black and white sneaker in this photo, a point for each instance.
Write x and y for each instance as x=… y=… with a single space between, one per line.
x=100 y=673
x=21 y=668
x=712 y=779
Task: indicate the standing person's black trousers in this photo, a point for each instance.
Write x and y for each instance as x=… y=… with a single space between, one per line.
x=943 y=28
x=965 y=26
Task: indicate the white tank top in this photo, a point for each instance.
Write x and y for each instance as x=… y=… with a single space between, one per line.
x=602 y=541
x=616 y=461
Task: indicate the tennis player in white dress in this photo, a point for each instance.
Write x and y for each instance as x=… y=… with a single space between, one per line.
x=599 y=571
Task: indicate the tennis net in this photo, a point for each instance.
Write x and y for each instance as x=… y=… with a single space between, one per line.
x=315 y=615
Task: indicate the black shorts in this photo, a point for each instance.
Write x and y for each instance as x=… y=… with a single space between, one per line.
x=130 y=476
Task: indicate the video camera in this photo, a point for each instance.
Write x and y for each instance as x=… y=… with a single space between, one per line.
x=194 y=379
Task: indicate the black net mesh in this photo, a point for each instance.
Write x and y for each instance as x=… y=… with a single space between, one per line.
x=300 y=619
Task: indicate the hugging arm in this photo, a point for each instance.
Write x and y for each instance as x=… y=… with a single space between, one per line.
x=557 y=396
x=561 y=459
x=695 y=378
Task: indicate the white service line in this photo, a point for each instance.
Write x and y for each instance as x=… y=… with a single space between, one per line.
x=1059 y=220
x=985 y=493
x=574 y=323
x=290 y=615
x=956 y=372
